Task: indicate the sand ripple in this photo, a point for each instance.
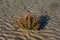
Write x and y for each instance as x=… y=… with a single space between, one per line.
x=9 y=9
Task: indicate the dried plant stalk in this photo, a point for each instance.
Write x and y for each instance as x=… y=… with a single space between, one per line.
x=28 y=21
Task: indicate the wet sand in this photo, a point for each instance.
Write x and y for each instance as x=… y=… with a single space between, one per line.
x=9 y=9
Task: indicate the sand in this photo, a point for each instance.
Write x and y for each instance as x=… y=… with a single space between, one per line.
x=9 y=9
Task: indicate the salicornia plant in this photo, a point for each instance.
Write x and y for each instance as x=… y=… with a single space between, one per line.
x=28 y=21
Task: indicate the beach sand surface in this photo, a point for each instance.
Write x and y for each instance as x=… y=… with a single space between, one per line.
x=9 y=9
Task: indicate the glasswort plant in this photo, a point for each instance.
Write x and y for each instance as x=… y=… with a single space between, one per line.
x=28 y=21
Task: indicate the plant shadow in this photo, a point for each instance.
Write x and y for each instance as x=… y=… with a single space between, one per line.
x=43 y=20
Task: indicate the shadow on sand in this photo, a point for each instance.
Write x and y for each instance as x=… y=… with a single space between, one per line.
x=43 y=21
